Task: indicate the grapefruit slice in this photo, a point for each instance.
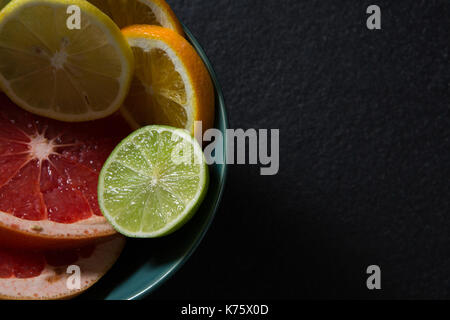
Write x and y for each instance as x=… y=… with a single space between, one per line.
x=48 y=178
x=29 y=275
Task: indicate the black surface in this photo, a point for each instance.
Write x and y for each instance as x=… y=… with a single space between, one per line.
x=365 y=150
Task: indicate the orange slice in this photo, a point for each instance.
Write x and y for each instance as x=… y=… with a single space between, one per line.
x=171 y=85
x=128 y=12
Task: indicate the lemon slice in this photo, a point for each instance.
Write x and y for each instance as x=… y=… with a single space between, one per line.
x=63 y=73
x=171 y=85
x=128 y=12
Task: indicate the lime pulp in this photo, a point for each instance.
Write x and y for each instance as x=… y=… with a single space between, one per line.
x=153 y=182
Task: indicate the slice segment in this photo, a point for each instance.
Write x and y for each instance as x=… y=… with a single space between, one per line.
x=63 y=73
x=128 y=12
x=36 y=275
x=171 y=85
x=153 y=182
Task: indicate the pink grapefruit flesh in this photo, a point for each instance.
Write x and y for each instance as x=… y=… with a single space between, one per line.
x=44 y=275
x=48 y=177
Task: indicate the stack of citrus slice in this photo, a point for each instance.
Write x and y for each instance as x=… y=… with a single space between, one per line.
x=76 y=85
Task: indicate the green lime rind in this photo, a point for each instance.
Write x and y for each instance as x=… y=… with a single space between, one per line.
x=149 y=186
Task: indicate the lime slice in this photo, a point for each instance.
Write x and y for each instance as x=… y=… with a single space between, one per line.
x=153 y=182
x=65 y=71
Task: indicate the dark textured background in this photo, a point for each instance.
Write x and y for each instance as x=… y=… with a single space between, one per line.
x=365 y=150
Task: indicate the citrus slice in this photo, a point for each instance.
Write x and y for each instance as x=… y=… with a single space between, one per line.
x=30 y=275
x=128 y=12
x=153 y=182
x=171 y=85
x=49 y=175
x=62 y=73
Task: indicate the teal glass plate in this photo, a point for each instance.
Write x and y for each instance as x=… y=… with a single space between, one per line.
x=145 y=264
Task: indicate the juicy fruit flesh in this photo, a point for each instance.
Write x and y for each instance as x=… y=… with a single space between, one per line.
x=61 y=65
x=49 y=169
x=159 y=87
x=145 y=189
x=127 y=12
x=30 y=264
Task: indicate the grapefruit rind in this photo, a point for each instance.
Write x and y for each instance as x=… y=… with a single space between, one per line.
x=20 y=233
x=51 y=284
